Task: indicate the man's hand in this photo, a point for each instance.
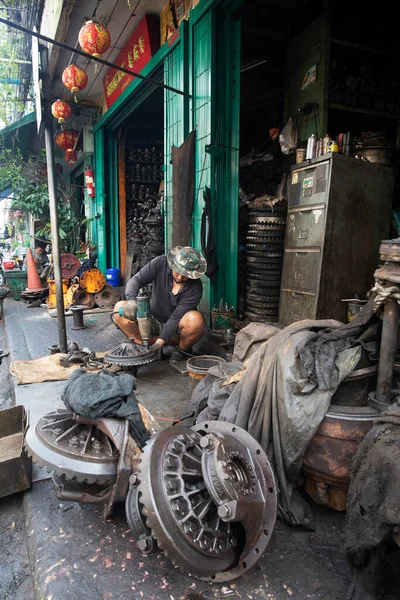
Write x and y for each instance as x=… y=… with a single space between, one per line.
x=129 y=310
x=156 y=348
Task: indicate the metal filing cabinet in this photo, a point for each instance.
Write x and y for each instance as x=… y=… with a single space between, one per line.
x=339 y=211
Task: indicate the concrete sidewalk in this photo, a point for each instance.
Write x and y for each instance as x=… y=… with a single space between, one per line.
x=74 y=554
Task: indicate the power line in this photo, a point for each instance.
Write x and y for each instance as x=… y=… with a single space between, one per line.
x=99 y=60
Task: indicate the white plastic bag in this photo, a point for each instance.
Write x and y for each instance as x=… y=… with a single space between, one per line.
x=288 y=137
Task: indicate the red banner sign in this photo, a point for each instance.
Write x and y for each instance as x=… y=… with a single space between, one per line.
x=141 y=46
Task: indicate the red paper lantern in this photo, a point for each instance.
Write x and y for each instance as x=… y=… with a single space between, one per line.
x=94 y=39
x=74 y=78
x=66 y=139
x=61 y=110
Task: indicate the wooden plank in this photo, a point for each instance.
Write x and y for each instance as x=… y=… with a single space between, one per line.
x=122 y=195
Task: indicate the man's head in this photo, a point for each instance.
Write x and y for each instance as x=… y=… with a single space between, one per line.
x=178 y=278
x=187 y=262
x=39 y=250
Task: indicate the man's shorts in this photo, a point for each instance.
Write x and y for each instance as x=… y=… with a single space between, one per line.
x=156 y=327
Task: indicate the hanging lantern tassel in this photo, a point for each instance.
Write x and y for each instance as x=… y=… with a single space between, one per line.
x=70 y=156
x=94 y=39
x=75 y=79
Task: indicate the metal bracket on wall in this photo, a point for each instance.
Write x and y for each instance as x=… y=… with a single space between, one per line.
x=216 y=149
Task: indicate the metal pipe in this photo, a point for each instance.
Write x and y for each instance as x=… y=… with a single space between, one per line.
x=55 y=239
x=86 y=55
x=387 y=351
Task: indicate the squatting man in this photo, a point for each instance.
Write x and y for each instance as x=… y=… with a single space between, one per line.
x=176 y=292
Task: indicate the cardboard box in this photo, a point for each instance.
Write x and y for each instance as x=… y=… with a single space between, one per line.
x=15 y=465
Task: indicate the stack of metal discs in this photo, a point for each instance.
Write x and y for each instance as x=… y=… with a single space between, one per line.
x=265 y=243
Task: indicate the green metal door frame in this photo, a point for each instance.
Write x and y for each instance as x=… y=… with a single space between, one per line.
x=217 y=161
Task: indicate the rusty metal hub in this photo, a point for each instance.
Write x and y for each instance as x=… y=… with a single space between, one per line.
x=69 y=265
x=389 y=252
x=209 y=499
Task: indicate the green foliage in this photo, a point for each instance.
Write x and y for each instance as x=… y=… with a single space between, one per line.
x=11 y=50
x=27 y=176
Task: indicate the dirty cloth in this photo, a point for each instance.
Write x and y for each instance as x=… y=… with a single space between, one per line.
x=105 y=394
x=182 y=190
x=318 y=354
x=279 y=406
x=373 y=508
x=43 y=369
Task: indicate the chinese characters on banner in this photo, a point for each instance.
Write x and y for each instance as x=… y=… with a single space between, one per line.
x=141 y=46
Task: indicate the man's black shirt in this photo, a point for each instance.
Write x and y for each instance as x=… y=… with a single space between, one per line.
x=165 y=306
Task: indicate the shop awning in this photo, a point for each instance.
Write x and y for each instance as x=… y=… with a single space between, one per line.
x=21 y=134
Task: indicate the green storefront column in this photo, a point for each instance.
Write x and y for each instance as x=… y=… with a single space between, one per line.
x=100 y=214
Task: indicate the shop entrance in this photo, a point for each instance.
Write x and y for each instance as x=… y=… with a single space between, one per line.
x=262 y=217
x=141 y=179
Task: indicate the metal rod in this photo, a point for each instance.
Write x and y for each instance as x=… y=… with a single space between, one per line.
x=55 y=239
x=387 y=352
x=86 y=55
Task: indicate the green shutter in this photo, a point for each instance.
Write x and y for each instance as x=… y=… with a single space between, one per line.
x=202 y=54
x=225 y=155
x=174 y=130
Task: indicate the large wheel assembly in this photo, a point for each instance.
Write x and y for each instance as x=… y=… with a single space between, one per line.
x=207 y=496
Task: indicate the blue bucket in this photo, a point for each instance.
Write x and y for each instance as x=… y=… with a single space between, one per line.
x=113 y=277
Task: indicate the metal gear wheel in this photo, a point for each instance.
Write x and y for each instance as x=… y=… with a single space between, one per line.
x=77 y=452
x=209 y=499
x=130 y=354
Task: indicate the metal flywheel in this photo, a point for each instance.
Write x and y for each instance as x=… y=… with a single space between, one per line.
x=207 y=496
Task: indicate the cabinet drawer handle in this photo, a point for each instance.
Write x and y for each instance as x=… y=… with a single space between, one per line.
x=301 y=253
x=296 y=295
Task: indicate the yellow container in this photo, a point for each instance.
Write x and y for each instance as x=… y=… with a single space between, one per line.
x=52 y=301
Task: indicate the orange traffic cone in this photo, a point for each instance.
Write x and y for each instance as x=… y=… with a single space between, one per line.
x=34 y=283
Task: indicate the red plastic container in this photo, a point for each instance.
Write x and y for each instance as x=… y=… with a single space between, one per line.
x=8 y=265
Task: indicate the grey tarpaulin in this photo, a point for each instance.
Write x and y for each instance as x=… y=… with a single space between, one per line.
x=105 y=394
x=182 y=190
x=282 y=409
x=250 y=338
x=209 y=396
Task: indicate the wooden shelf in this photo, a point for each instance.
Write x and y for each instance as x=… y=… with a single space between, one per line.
x=365 y=111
